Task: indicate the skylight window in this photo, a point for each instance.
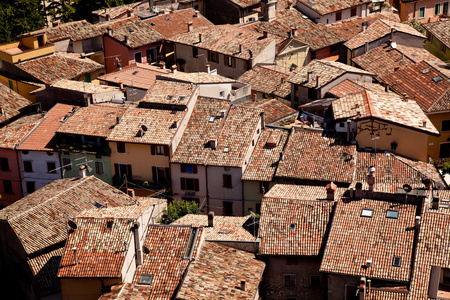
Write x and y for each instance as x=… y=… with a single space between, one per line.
x=146 y=279
x=226 y=149
x=181 y=98
x=396 y=261
x=437 y=79
x=211 y=119
x=167 y=19
x=292 y=226
x=392 y=214
x=135 y=72
x=425 y=71
x=170 y=97
x=368 y=213
x=98 y=205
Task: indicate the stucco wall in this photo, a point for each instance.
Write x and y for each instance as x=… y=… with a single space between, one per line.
x=218 y=193
x=295 y=53
x=91 y=158
x=434 y=142
x=84 y=289
x=176 y=183
x=337 y=285
x=435 y=48
x=12 y=175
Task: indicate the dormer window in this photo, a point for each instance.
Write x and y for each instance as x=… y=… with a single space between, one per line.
x=368 y=213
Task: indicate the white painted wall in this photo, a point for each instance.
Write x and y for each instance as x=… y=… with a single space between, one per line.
x=176 y=182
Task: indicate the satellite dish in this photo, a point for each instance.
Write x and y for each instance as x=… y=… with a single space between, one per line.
x=72 y=225
x=144 y=127
x=407 y=188
x=439 y=185
x=394 y=45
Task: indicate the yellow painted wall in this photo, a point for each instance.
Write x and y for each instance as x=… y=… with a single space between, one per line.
x=21 y=88
x=140 y=158
x=411 y=143
x=434 y=141
x=435 y=48
x=84 y=288
x=48 y=49
x=295 y=53
x=252 y=195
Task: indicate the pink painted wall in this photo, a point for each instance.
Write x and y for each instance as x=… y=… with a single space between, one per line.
x=12 y=175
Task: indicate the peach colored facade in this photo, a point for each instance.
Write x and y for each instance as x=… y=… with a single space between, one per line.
x=118 y=52
x=11 y=175
x=424 y=11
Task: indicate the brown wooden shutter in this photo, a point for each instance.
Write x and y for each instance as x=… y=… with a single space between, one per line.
x=153 y=149
x=183 y=168
x=194 y=169
x=183 y=183
x=166 y=150
x=154 y=173
x=196 y=185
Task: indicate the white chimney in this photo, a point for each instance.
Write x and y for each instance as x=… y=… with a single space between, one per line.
x=371 y=178
x=82 y=171
x=208 y=68
x=74 y=249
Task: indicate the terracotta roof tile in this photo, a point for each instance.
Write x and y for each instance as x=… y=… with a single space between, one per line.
x=116 y=11
x=266 y=155
x=14 y=133
x=310 y=156
x=11 y=103
x=169 y=92
x=191 y=149
x=52 y=68
x=175 y=23
x=196 y=77
x=273 y=109
x=45 y=268
x=245 y=3
x=416 y=81
x=127 y=291
x=324 y=7
x=218 y=272
x=440 y=30
x=354 y=239
x=295 y=223
x=42 y=136
x=353 y=87
x=94 y=120
x=224 y=228
x=39 y=219
x=268 y=79
x=85 y=87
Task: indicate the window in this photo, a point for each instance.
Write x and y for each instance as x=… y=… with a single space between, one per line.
x=151 y=55
x=221 y=94
x=342 y=125
x=227 y=208
x=194 y=52
x=313 y=54
x=392 y=214
x=368 y=213
x=30 y=186
x=188 y=169
x=263 y=187
x=51 y=167
x=123 y=169
x=437 y=9
x=121 y=147
x=138 y=57
x=227 y=181
x=258 y=208
x=87 y=77
x=443 y=48
x=445 y=9
x=314 y=281
x=213 y=57
x=396 y=261
x=160 y=174
x=4 y=165
x=230 y=61
x=353 y=12
x=291 y=261
x=338 y=16
x=67 y=164
x=444 y=150
x=161 y=150
x=189 y=184
x=7 y=187
x=290 y=281
x=109 y=224
x=99 y=168
x=445 y=125
x=146 y=279
x=422 y=12
x=27 y=166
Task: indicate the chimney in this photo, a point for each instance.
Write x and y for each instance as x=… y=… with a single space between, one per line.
x=199 y=37
x=117 y=120
x=269 y=9
x=362 y=288
x=427 y=182
x=392 y=33
x=108 y=17
x=317 y=81
x=196 y=14
x=358 y=191
x=211 y=219
x=129 y=11
x=331 y=189
x=208 y=68
x=151 y=3
x=371 y=178
x=126 y=40
x=364 y=26
x=254 y=97
x=403 y=56
x=240 y=48
x=405 y=97
x=310 y=74
x=110 y=31
x=293 y=32
x=82 y=171
x=190 y=25
x=222 y=113
x=74 y=249
x=137 y=245
x=424 y=123
x=262 y=120
x=242 y=285
x=417 y=222
x=131 y=193
x=174 y=68
x=213 y=143
x=435 y=203
x=265 y=34
x=386 y=88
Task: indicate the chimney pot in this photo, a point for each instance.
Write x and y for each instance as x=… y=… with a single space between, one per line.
x=190 y=26
x=424 y=123
x=82 y=171
x=174 y=68
x=211 y=219
x=386 y=88
x=74 y=249
x=331 y=189
x=358 y=191
x=371 y=178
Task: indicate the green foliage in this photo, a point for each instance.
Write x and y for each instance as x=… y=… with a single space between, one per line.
x=446 y=167
x=416 y=25
x=84 y=8
x=18 y=17
x=177 y=209
x=62 y=10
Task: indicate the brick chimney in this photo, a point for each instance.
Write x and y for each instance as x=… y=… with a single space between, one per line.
x=371 y=178
x=331 y=189
x=358 y=191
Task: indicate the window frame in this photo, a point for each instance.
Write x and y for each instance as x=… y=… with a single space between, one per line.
x=437 y=5
x=55 y=171
x=394 y=259
x=4 y=164
x=26 y=169
x=213 y=57
x=190 y=184
x=120 y=148
x=227 y=181
x=102 y=167
x=442 y=125
x=67 y=167
x=140 y=55
x=287 y=278
x=338 y=16
x=32 y=184
x=367 y=210
x=353 y=9
x=422 y=8
x=8 y=190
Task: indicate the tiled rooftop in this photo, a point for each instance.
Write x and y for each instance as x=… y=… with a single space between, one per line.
x=75 y=31
x=385 y=106
x=196 y=77
x=14 y=133
x=310 y=156
x=266 y=155
x=52 y=68
x=421 y=83
x=440 y=30
x=324 y=7
x=379 y=29
x=140 y=76
x=218 y=272
x=11 y=103
x=353 y=87
x=225 y=39
x=45 y=268
x=295 y=224
x=245 y=3
x=273 y=109
x=85 y=87
x=39 y=219
x=224 y=228
x=191 y=149
x=169 y=92
x=116 y=11
x=127 y=291
x=328 y=71
x=354 y=239
x=268 y=79
x=94 y=120
x=132 y=32
x=42 y=136
x=165 y=261
x=235 y=137
x=175 y=23
x=160 y=125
